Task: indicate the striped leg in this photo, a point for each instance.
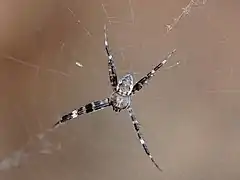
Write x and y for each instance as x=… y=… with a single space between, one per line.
x=89 y=108
x=138 y=86
x=111 y=66
x=140 y=137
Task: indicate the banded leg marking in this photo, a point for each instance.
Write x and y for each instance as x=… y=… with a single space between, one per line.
x=89 y=108
x=111 y=65
x=139 y=85
x=136 y=126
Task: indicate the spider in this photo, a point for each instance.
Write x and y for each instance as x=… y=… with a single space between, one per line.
x=120 y=99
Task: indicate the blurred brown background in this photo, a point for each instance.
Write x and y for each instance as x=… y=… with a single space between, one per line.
x=189 y=112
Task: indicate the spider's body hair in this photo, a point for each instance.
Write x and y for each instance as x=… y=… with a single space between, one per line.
x=119 y=102
x=121 y=99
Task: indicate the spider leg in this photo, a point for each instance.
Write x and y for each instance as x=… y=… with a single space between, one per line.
x=89 y=108
x=111 y=66
x=140 y=137
x=138 y=86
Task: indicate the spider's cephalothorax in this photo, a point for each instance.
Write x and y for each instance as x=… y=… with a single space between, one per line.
x=120 y=99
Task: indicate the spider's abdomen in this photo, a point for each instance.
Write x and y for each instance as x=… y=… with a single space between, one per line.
x=119 y=102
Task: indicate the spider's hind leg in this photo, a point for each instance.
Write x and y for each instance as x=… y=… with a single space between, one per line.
x=89 y=108
x=136 y=126
x=111 y=66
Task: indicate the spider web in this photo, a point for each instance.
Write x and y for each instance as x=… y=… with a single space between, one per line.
x=40 y=143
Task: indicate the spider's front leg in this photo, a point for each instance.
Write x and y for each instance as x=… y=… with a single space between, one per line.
x=139 y=85
x=140 y=136
x=89 y=108
x=111 y=65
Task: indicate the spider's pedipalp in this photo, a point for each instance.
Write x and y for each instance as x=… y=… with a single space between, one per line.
x=111 y=66
x=136 y=126
x=139 y=85
x=89 y=108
